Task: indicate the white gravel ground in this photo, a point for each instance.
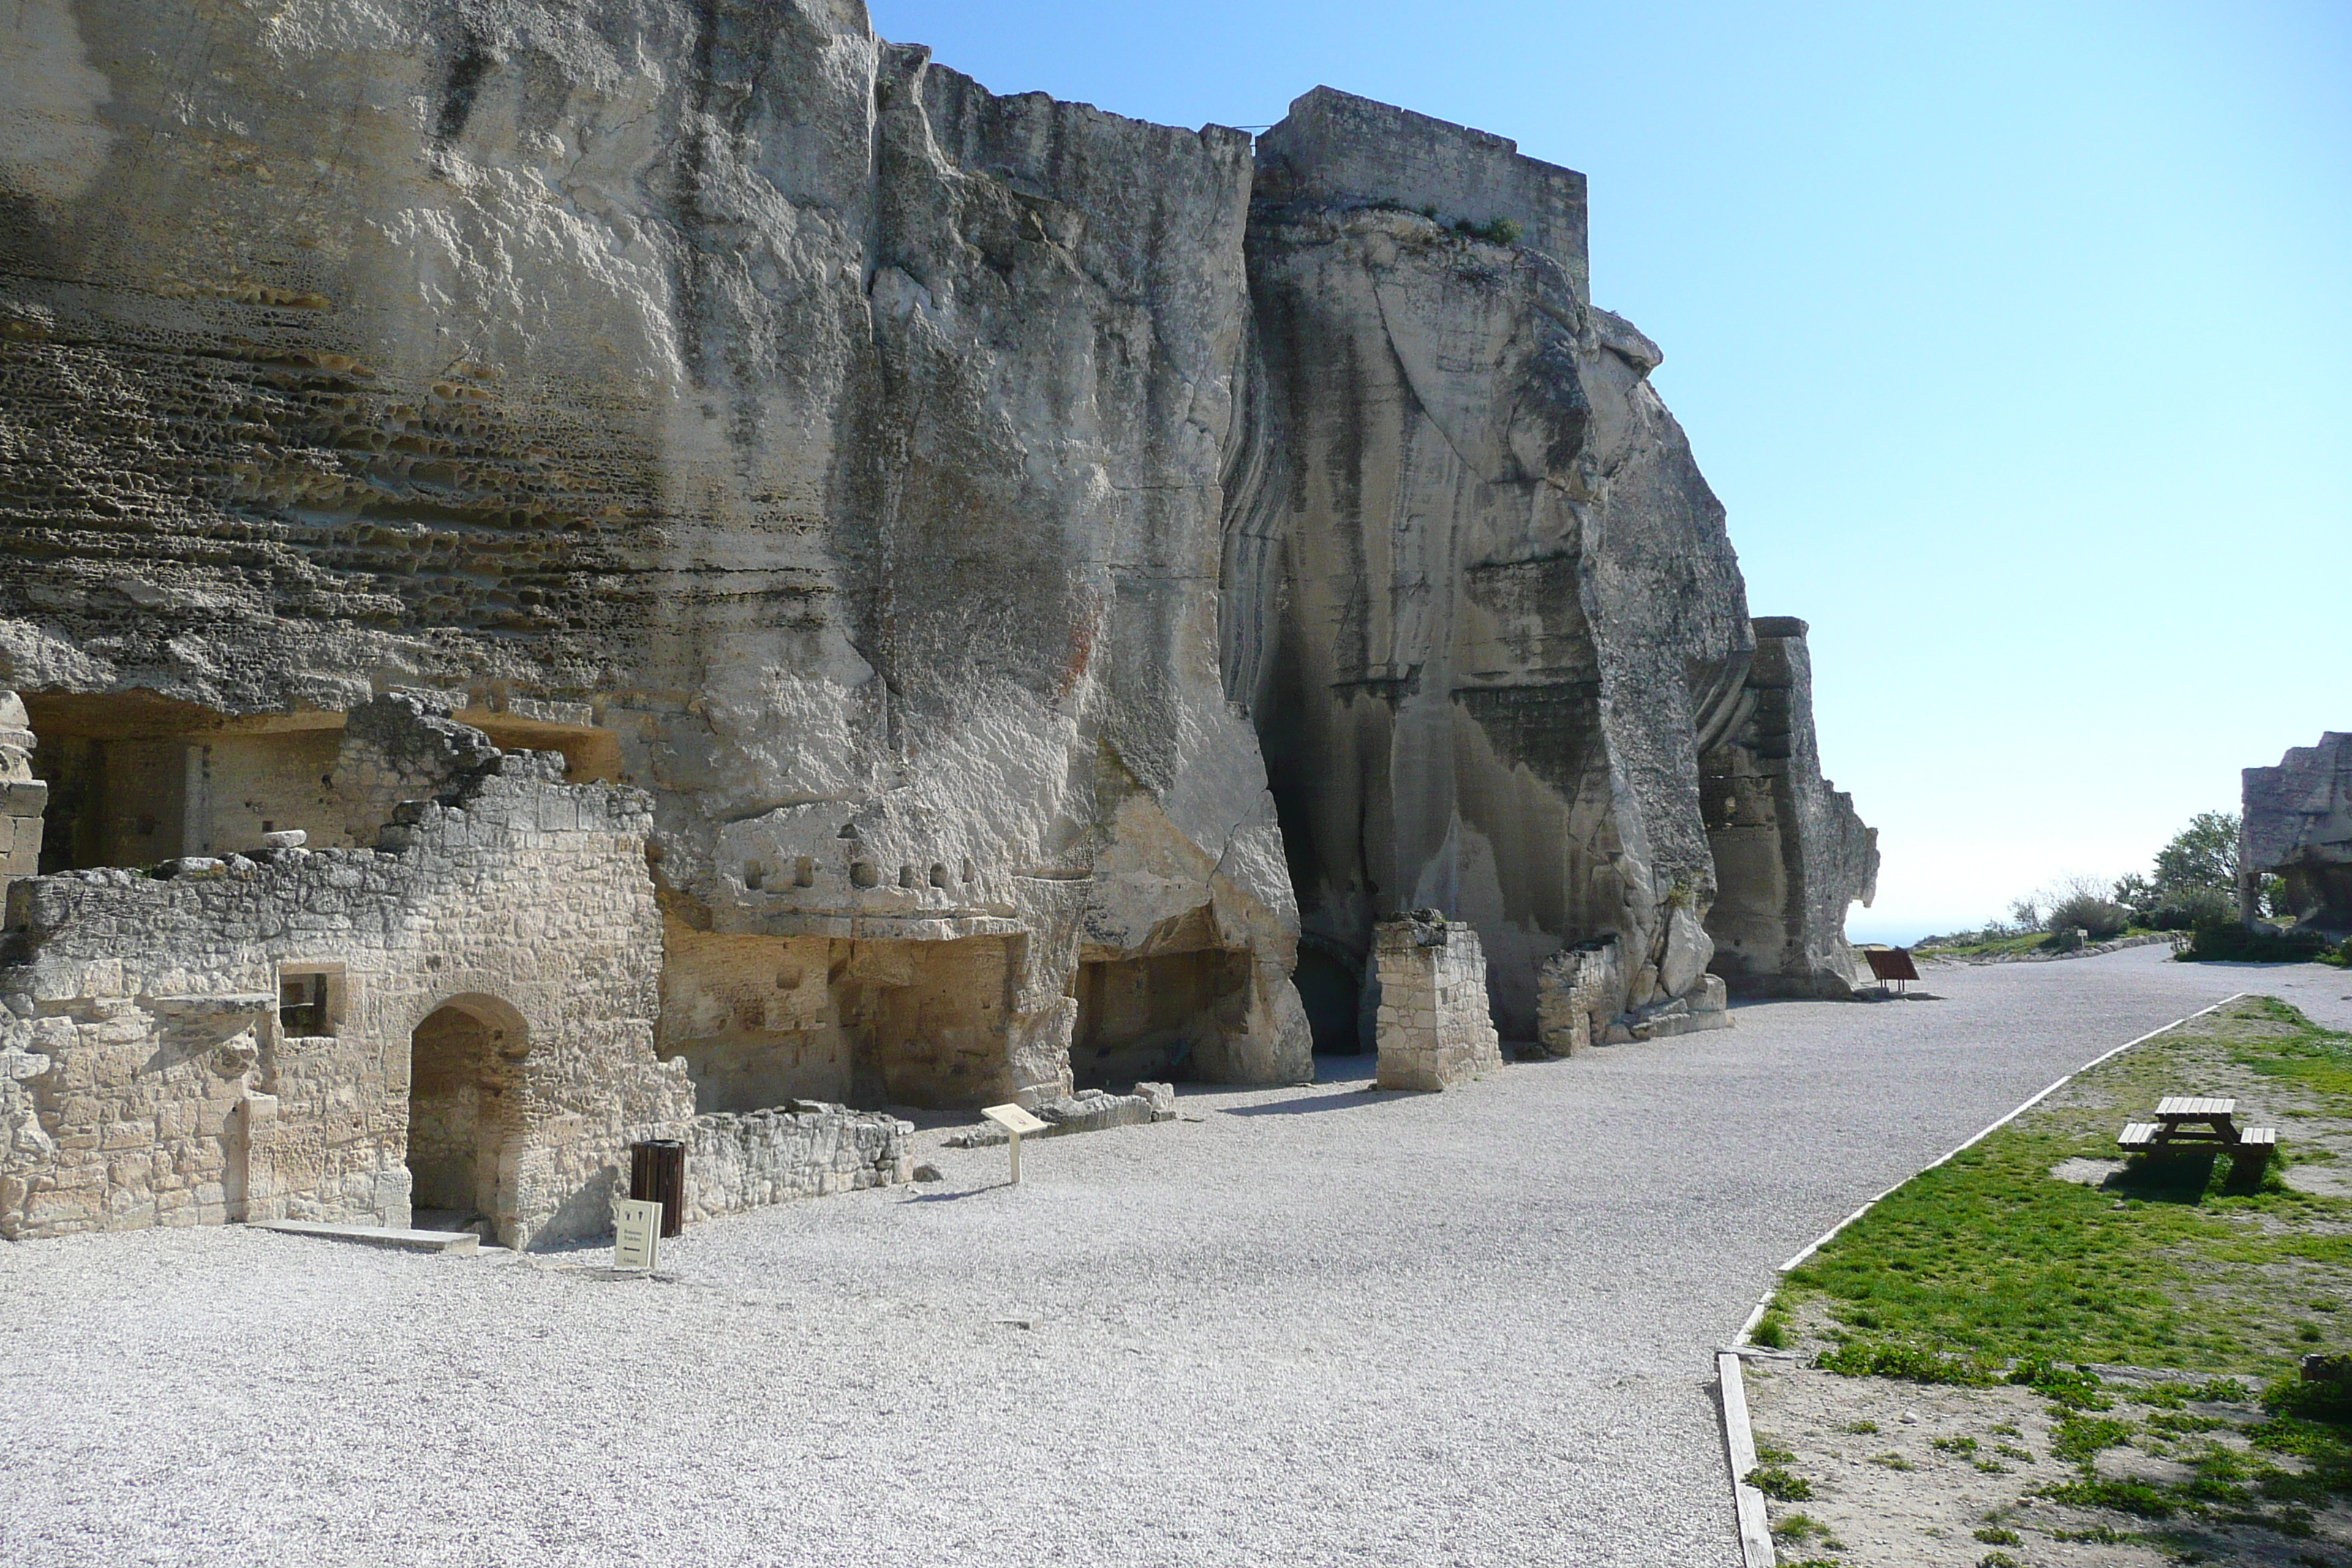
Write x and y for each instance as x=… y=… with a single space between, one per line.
x=1303 y=1326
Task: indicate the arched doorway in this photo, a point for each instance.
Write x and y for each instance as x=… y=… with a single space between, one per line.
x=465 y=1094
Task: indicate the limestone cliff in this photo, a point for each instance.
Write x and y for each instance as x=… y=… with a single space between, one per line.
x=744 y=406
x=950 y=508
x=1790 y=854
x=1479 y=598
x=2298 y=828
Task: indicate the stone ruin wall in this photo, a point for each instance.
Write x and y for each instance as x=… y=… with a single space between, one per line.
x=805 y=1148
x=1436 y=1027
x=157 y=1084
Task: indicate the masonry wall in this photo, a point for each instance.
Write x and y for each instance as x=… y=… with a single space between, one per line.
x=806 y=1149
x=153 y=1082
x=1435 y=1029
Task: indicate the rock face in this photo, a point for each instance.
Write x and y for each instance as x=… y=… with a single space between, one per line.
x=1479 y=598
x=1790 y=854
x=747 y=407
x=2298 y=828
x=952 y=512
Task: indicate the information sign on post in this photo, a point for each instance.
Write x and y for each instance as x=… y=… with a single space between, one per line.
x=636 y=1234
x=1016 y=1121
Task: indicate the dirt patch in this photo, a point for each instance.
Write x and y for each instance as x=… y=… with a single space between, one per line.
x=1908 y=1475
x=2086 y=1173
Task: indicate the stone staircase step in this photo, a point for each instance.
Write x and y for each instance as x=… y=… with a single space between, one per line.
x=459 y=1242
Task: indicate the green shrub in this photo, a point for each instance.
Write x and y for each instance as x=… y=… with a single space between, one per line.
x=2195 y=909
x=2070 y=1386
x=2122 y=1497
x=1772 y=1330
x=2236 y=943
x=2080 y=1439
x=1858 y=1357
x=2321 y=1400
x=1780 y=1485
x=1497 y=231
x=1799 y=1527
x=1994 y=1535
x=2103 y=918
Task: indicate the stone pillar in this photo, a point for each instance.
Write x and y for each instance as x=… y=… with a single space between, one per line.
x=23 y=797
x=1574 y=992
x=1435 y=1030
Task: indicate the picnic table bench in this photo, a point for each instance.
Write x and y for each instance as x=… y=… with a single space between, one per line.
x=2190 y=1125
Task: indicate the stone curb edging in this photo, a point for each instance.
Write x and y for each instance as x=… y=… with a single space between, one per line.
x=1756 y=1550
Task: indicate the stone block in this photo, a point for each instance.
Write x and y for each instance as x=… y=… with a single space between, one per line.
x=1435 y=1030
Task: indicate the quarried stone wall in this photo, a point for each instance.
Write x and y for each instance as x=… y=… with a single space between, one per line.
x=1435 y=1029
x=236 y=1037
x=804 y=1150
x=1479 y=600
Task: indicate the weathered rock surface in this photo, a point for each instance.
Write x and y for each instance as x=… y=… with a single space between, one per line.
x=1790 y=854
x=1479 y=598
x=954 y=511
x=746 y=406
x=2297 y=826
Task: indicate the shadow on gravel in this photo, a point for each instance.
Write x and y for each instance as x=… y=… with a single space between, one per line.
x=946 y=1197
x=1347 y=1099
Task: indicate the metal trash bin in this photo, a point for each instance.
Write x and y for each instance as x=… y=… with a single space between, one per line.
x=657 y=1175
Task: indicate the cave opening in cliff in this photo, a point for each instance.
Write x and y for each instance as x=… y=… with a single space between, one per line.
x=1748 y=920
x=1147 y=1017
x=1330 y=987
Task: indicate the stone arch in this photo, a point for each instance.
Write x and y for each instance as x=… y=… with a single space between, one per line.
x=465 y=1098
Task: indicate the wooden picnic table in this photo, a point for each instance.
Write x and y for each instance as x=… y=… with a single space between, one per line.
x=2192 y=1123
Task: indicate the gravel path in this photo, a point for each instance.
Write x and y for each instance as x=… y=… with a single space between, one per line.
x=1302 y=1326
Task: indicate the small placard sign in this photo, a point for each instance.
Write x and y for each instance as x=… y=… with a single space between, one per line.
x=1014 y=1120
x=636 y=1234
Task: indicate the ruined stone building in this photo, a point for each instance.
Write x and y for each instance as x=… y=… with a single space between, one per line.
x=768 y=578
x=2297 y=826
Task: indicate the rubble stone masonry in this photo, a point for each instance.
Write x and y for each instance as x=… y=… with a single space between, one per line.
x=1435 y=1029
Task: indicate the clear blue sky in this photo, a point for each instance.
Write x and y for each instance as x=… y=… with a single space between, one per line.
x=2016 y=338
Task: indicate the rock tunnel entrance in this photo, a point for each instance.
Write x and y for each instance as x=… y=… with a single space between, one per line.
x=1331 y=988
x=465 y=1095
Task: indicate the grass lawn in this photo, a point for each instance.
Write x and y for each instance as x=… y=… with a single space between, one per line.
x=2004 y=946
x=2146 y=1300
